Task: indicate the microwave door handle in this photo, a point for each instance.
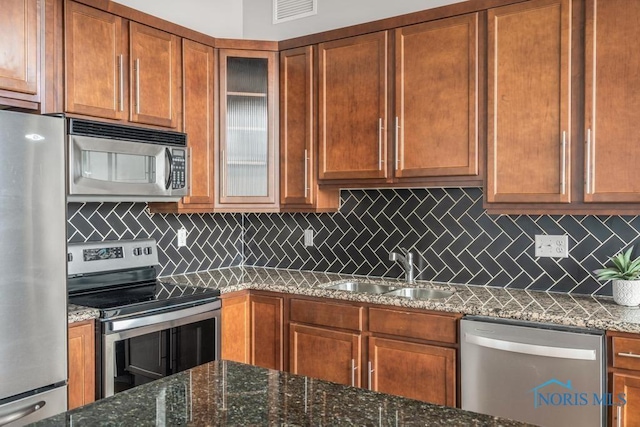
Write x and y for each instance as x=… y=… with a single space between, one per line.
x=167 y=167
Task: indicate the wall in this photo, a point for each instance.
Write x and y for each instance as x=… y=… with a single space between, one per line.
x=456 y=240
x=214 y=241
x=217 y=18
x=332 y=14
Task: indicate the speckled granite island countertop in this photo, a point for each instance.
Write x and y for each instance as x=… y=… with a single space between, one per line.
x=232 y=394
x=545 y=307
x=78 y=313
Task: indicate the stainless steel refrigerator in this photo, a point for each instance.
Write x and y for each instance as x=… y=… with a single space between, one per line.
x=33 y=295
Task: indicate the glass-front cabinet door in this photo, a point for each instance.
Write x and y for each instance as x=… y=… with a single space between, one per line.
x=248 y=173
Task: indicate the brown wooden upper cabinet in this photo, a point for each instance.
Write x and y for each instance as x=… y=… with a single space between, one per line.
x=612 y=104
x=529 y=87
x=248 y=171
x=120 y=72
x=20 y=46
x=299 y=190
x=352 y=115
x=436 y=120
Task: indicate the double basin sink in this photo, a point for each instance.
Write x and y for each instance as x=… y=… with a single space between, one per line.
x=386 y=290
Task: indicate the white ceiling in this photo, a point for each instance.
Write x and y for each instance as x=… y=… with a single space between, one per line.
x=253 y=19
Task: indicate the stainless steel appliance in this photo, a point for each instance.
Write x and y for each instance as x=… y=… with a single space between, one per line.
x=533 y=373
x=148 y=329
x=125 y=163
x=33 y=301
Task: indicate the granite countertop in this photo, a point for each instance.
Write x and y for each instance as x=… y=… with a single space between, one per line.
x=78 y=313
x=544 y=307
x=234 y=394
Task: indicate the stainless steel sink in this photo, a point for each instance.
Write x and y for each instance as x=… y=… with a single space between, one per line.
x=421 y=293
x=362 y=287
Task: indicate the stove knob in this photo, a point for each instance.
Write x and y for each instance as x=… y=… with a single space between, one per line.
x=148 y=250
x=137 y=251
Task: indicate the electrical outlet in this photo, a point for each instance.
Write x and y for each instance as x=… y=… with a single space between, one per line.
x=182 y=237
x=308 y=237
x=552 y=246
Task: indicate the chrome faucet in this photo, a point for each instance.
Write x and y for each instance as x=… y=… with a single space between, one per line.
x=407 y=262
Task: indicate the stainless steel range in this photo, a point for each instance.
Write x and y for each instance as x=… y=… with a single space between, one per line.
x=148 y=329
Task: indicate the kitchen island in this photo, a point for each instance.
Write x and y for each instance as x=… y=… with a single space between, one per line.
x=233 y=394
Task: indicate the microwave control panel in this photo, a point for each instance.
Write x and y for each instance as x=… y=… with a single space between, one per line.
x=178 y=178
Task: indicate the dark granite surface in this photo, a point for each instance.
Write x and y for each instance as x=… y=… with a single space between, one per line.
x=536 y=306
x=233 y=394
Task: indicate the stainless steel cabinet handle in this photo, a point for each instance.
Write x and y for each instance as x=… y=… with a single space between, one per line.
x=564 y=163
x=21 y=413
x=538 y=350
x=635 y=356
x=380 y=128
x=137 y=69
x=370 y=376
x=121 y=82
x=353 y=372
x=588 y=161
x=397 y=144
x=619 y=422
x=306 y=172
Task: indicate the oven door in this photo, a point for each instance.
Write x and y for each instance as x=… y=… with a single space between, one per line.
x=125 y=169
x=141 y=349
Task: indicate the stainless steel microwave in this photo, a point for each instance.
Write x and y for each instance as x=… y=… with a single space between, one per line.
x=110 y=162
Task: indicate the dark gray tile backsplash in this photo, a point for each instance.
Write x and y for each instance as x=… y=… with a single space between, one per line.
x=453 y=236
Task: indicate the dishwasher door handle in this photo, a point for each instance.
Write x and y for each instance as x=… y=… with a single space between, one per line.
x=537 y=350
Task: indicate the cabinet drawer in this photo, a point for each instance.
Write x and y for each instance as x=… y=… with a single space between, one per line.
x=626 y=353
x=431 y=327
x=327 y=314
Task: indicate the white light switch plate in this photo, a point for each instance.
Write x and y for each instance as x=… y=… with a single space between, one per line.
x=182 y=237
x=308 y=237
x=552 y=246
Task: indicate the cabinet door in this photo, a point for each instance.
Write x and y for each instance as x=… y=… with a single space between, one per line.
x=296 y=126
x=236 y=328
x=95 y=55
x=611 y=101
x=82 y=381
x=198 y=79
x=628 y=414
x=155 y=76
x=529 y=102
x=353 y=107
x=325 y=354
x=248 y=151
x=417 y=371
x=19 y=46
x=266 y=332
x=436 y=123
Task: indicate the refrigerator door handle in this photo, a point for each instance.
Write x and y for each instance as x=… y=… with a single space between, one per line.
x=537 y=350
x=21 y=413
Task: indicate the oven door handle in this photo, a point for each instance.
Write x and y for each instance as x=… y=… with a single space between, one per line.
x=167 y=316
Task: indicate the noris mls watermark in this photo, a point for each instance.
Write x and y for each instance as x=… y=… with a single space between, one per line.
x=571 y=397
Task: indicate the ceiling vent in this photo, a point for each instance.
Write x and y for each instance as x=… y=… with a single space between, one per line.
x=288 y=10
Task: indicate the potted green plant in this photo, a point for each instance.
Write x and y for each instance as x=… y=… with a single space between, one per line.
x=625 y=276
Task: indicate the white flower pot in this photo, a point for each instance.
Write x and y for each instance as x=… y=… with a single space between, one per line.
x=626 y=292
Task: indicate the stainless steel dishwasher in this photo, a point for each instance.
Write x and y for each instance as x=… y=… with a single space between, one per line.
x=535 y=373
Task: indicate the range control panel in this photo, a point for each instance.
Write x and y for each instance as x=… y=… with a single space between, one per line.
x=100 y=257
x=178 y=169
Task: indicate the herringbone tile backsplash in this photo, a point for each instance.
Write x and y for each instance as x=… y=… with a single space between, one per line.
x=454 y=239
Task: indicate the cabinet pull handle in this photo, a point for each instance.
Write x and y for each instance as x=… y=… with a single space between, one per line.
x=397 y=143
x=635 y=356
x=353 y=372
x=121 y=82
x=306 y=173
x=588 y=161
x=380 y=128
x=564 y=163
x=619 y=421
x=137 y=69
x=370 y=376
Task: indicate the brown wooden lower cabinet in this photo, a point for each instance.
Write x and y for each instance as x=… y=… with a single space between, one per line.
x=82 y=380
x=325 y=353
x=627 y=415
x=252 y=329
x=417 y=371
